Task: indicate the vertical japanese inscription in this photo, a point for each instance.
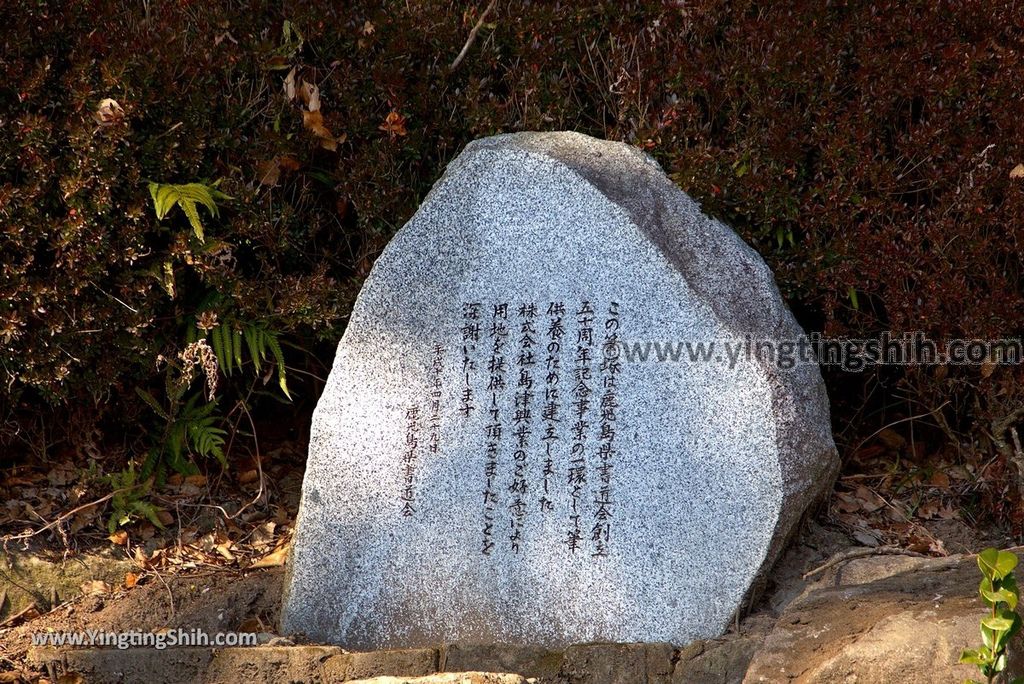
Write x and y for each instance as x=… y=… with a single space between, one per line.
x=434 y=404
x=551 y=411
x=522 y=422
x=493 y=430
x=610 y=368
x=545 y=381
x=470 y=338
x=409 y=458
x=580 y=409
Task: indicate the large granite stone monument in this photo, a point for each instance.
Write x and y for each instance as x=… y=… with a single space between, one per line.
x=493 y=461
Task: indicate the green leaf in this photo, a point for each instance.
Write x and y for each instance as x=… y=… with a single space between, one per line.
x=152 y=402
x=149 y=511
x=1006 y=562
x=988 y=637
x=1003 y=595
x=987 y=560
x=996 y=564
x=275 y=349
x=998 y=624
x=256 y=350
x=188 y=196
x=236 y=339
x=851 y=292
x=972 y=656
x=218 y=348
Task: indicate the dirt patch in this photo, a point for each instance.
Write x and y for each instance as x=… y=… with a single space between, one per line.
x=213 y=602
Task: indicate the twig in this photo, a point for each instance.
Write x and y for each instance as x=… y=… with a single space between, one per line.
x=170 y=594
x=472 y=36
x=64 y=516
x=259 y=465
x=862 y=553
x=20 y=614
x=1018 y=460
x=897 y=422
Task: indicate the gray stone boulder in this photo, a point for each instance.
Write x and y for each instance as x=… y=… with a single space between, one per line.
x=516 y=446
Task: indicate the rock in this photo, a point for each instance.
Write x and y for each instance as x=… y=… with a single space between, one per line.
x=27 y=579
x=538 y=663
x=879 y=619
x=494 y=461
x=449 y=678
x=414 y=662
x=254 y=665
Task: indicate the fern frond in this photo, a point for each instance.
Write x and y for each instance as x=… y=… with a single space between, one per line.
x=256 y=349
x=187 y=196
x=218 y=348
x=236 y=344
x=152 y=402
x=275 y=348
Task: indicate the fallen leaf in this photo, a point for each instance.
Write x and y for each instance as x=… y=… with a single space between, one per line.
x=131 y=579
x=165 y=517
x=314 y=122
x=394 y=125
x=119 y=537
x=61 y=474
x=268 y=172
x=1018 y=171
x=220 y=38
x=892 y=439
x=248 y=476
x=368 y=28
x=865 y=537
x=252 y=625
x=939 y=479
x=289 y=85
x=108 y=113
x=310 y=96
x=847 y=502
x=869 y=501
x=275 y=558
x=264 y=534
x=95 y=588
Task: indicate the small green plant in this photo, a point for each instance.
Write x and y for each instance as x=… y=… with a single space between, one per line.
x=233 y=339
x=188 y=196
x=998 y=589
x=189 y=424
x=129 y=499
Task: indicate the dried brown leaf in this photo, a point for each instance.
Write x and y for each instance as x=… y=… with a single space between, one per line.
x=268 y=172
x=95 y=588
x=314 y=123
x=394 y=125
x=108 y=113
x=275 y=558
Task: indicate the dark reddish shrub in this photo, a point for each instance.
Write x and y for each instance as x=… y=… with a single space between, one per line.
x=863 y=149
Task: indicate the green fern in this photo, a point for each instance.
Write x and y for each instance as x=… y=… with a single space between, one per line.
x=188 y=197
x=128 y=502
x=190 y=429
x=233 y=340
